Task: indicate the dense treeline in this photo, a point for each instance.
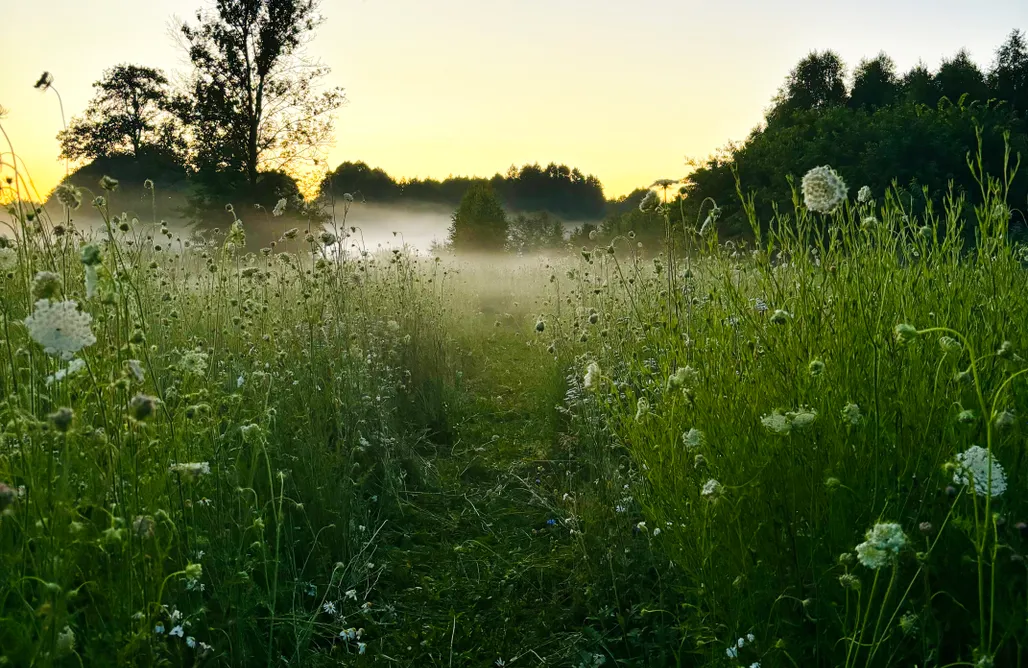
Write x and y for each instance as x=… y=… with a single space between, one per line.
x=879 y=128
x=558 y=189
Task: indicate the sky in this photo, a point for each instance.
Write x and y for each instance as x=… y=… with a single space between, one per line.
x=628 y=90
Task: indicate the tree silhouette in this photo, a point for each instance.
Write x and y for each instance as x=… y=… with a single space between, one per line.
x=1008 y=78
x=919 y=86
x=479 y=223
x=960 y=76
x=255 y=105
x=130 y=115
x=874 y=83
x=817 y=82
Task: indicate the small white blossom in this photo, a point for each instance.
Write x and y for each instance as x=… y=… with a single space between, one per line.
x=883 y=544
x=693 y=438
x=711 y=489
x=60 y=328
x=975 y=465
x=177 y=631
x=592 y=375
x=864 y=195
x=280 y=208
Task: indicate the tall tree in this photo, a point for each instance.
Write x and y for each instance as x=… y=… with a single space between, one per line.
x=479 y=223
x=817 y=82
x=919 y=85
x=959 y=76
x=874 y=83
x=255 y=101
x=1008 y=78
x=129 y=115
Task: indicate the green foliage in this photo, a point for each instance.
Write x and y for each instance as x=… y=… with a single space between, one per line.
x=132 y=114
x=533 y=233
x=479 y=223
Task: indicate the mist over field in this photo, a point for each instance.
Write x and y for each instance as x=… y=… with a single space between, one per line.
x=259 y=409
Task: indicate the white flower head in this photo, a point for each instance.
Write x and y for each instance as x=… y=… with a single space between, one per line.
x=823 y=189
x=693 y=438
x=8 y=259
x=592 y=375
x=864 y=195
x=777 y=423
x=851 y=414
x=642 y=408
x=191 y=471
x=883 y=543
x=711 y=489
x=280 y=208
x=74 y=366
x=60 y=327
x=976 y=465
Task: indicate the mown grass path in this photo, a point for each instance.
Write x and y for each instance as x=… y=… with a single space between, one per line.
x=477 y=574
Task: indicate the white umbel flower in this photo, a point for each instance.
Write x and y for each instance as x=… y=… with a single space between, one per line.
x=823 y=189
x=864 y=195
x=8 y=259
x=280 y=208
x=592 y=375
x=883 y=544
x=60 y=327
x=711 y=489
x=973 y=466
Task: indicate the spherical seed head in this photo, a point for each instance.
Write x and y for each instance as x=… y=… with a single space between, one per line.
x=925 y=528
x=194 y=571
x=849 y=581
x=949 y=345
x=823 y=189
x=108 y=183
x=69 y=196
x=142 y=406
x=540 y=326
x=62 y=419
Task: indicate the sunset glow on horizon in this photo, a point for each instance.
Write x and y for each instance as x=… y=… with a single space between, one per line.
x=626 y=91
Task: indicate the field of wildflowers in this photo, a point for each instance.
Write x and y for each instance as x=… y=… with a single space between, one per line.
x=802 y=450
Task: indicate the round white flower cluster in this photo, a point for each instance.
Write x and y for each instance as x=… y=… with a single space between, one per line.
x=693 y=438
x=60 y=327
x=711 y=489
x=280 y=207
x=974 y=465
x=191 y=471
x=823 y=189
x=592 y=375
x=8 y=259
x=883 y=544
x=864 y=195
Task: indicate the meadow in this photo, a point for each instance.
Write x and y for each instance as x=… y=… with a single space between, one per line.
x=804 y=449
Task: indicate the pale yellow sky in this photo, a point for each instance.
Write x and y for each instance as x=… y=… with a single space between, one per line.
x=626 y=90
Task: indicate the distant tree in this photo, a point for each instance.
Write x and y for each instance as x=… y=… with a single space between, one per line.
x=960 y=76
x=817 y=82
x=874 y=83
x=919 y=86
x=254 y=102
x=1008 y=78
x=536 y=232
x=479 y=223
x=129 y=115
x=372 y=183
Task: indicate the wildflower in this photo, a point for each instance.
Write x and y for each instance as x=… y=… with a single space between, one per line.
x=693 y=438
x=976 y=465
x=641 y=526
x=347 y=197
x=711 y=489
x=46 y=285
x=74 y=366
x=60 y=328
x=966 y=416
x=159 y=628
x=949 y=345
x=108 y=183
x=8 y=259
x=190 y=642
x=65 y=642
x=777 y=423
x=663 y=183
x=759 y=305
x=142 y=406
x=135 y=367
x=329 y=608
x=69 y=196
x=191 y=471
x=362 y=647
x=44 y=81
x=540 y=325
x=656 y=532
x=864 y=195
x=351 y=594
x=1006 y=350
x=193 y=363
x=90 y=255
x=642 y=407
x=684 y=376
x=851 y=413
x=732 y=652
x=7 y=496
x=883 y=544
x=649 y=201
x=143 y=526
x=823 y=189
x=849 y=581
x=1004 y=419
x=177 y=631
x=62 y=418
x=592 y=375
x=280 y=208
x=780 y=317
x=904 y=333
